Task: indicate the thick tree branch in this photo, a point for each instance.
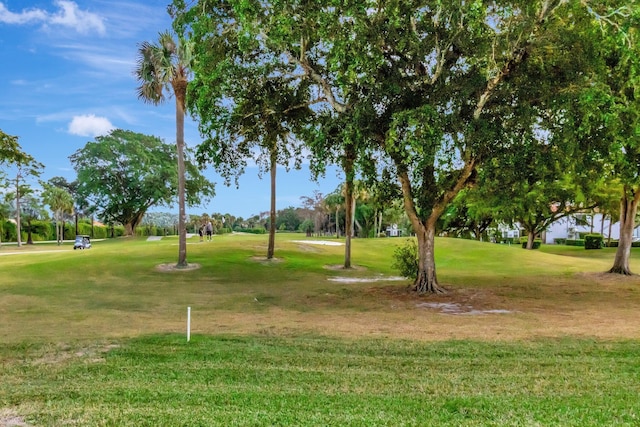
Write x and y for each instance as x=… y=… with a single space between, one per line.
x=312 y=74
x=517 y=55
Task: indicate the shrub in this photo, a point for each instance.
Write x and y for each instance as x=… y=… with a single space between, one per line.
x=575 y=242
x=8 y=231
x=406 y=259
x=307 y=227
x=99 y=232
x=536 y=243
x=84 y=228
x=254 y=230
x=39 y=230
x=593 y=241
x=560 y=241
x=611 y=244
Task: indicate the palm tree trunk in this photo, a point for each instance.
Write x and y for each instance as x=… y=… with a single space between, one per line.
x=272 y=210
x=182 y=216
x=18 y=220
x=58 y=234
x=348 y=166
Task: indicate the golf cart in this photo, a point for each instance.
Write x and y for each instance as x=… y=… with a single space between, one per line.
x=82 y=242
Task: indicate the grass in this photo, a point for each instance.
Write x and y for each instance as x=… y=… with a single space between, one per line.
x=266 y=381
x=97 y=337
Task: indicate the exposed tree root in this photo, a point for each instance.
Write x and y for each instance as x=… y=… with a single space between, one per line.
x=424 y=287
x=620 y=270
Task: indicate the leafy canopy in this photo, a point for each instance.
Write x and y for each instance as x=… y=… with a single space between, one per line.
x=125 y=173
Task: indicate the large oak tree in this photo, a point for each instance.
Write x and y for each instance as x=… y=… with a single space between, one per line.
x=125 y=173
x=435 y=86
x=606 y=116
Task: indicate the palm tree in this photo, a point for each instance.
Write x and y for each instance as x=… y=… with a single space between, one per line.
x=60 y=201
x=161 y=66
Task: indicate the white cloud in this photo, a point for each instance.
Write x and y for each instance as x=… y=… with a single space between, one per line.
x=90 y=125
x=23 y=17
x=68 y=15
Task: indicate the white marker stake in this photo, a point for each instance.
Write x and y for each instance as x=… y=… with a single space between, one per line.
x=188 y=324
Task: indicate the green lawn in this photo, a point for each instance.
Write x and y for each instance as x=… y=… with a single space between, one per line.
x=97 y=337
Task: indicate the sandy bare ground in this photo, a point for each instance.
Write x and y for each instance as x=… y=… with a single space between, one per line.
x=392 y=311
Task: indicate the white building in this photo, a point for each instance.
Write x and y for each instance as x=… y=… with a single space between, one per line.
x=570 y=227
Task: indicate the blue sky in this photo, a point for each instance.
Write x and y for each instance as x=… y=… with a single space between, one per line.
x=67 y=77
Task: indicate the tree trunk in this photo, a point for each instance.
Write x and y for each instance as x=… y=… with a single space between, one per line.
x=272 y=209
x=337 y=225
x=59 y=236
x=182 y=216
x=353 y=215
x=18 y=220
x=531 y=235
x=628 y=209
x=29 y=235
x=348 y=166
x=348 y=223
x=427 y=281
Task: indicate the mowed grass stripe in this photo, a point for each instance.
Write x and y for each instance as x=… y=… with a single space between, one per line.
x=162 y=380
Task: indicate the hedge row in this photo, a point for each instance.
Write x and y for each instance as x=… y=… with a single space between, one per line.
x=45 y=230
x=252 y=230
x=592 y=241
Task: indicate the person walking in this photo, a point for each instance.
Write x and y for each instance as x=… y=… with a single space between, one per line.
x=209 y=231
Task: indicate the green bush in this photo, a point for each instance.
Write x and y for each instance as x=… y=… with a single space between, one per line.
x=611 y=244
x=99 y=232
x=575 y=242
x=149 y=230
x=39 y=230
x=307 y=227
x=10 y=232
x=560 y=241
x=254 y=230
x=406 y=259
x=69 y=231
x=593 y=241
x=536 y=243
